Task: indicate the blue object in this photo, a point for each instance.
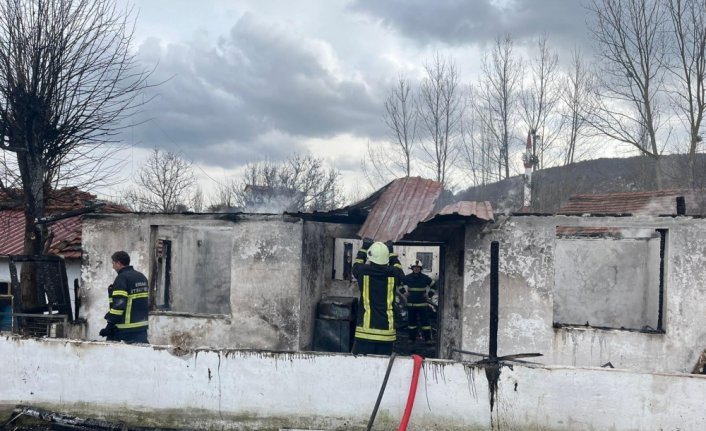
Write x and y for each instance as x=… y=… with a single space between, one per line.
x=5 y=317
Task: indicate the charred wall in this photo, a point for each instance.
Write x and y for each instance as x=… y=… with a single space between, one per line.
x=451 y=322
x=236 y=280
x=530 y=293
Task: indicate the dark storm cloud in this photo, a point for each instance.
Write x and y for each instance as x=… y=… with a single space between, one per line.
x=250 y=96
x=459 y=22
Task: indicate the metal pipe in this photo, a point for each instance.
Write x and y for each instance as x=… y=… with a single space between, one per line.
x=494 y=294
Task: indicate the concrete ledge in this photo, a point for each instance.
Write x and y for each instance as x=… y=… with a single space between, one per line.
x=240 y=389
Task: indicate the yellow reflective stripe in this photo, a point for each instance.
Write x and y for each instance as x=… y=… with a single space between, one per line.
x=128 y=310
x=375 y=334
x=131 y=325
x=116 y=312
x=417 y=289
x=359 y=261
x=426 y=328
x=366 y=301
x=390 y=298
x=119 y=293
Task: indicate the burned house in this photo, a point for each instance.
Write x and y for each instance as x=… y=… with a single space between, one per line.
x=581 y=290
x=235 y=300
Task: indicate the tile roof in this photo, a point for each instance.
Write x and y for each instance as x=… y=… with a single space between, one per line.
x=66 y=241
x=66 y=232
x=659 y=202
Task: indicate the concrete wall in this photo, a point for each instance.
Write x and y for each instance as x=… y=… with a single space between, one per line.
x=265 y=273
x=238 y=390
x=451 y=295
x=528 y=292
x=313 y=282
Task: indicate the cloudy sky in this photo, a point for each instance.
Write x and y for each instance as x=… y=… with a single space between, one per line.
x=248 y=80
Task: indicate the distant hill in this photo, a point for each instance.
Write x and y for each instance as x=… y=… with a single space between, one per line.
x=552 y=188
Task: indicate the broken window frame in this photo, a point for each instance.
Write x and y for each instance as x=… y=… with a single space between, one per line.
x=161 y=276
x=585 y=232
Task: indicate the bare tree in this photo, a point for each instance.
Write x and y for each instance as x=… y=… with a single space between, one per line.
x=539 y=102
x=67 y=79
x=631 y=45
x=377 y=164
x=225 y=194
x=441 y=106
x=301 y=183
x=688 y=68
x=476 y=149
x=401 y=119
x=383 y=163
x=164 y=183
x=197 y=199
x=500 y=81
x=577 y=98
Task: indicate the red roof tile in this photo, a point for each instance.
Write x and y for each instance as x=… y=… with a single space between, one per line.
x=67 y=232
x=66 y=241
x=659 y=202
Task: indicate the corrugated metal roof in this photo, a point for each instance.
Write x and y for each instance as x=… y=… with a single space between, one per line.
x=66 y=241
x=481 y=210
x=403 y=204
x=659 y=202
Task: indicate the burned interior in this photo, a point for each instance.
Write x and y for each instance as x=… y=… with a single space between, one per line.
x=610 y=277
x=190 y=269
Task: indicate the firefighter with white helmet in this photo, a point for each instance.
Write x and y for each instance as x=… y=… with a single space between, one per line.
x=377 y=279
x=420 y=287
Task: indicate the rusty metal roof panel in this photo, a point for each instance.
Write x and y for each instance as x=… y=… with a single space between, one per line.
x=481 y=210
x=403 y=204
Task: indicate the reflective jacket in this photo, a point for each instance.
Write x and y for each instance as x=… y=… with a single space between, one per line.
x=418 y=285
x=375 y=319
x=129 y=301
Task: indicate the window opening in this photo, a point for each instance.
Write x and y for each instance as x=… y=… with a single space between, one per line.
x=190 y=270
x=610 y=277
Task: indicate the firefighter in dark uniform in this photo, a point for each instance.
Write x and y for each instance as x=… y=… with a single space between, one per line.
x=129 y=298
x=377 y=280
x=419 y=287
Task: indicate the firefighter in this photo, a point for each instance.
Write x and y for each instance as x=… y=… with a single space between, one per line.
x=377 y=280
x=129 y=296
x=419 y=288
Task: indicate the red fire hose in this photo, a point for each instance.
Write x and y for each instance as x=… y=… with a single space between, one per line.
x=412 y=392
